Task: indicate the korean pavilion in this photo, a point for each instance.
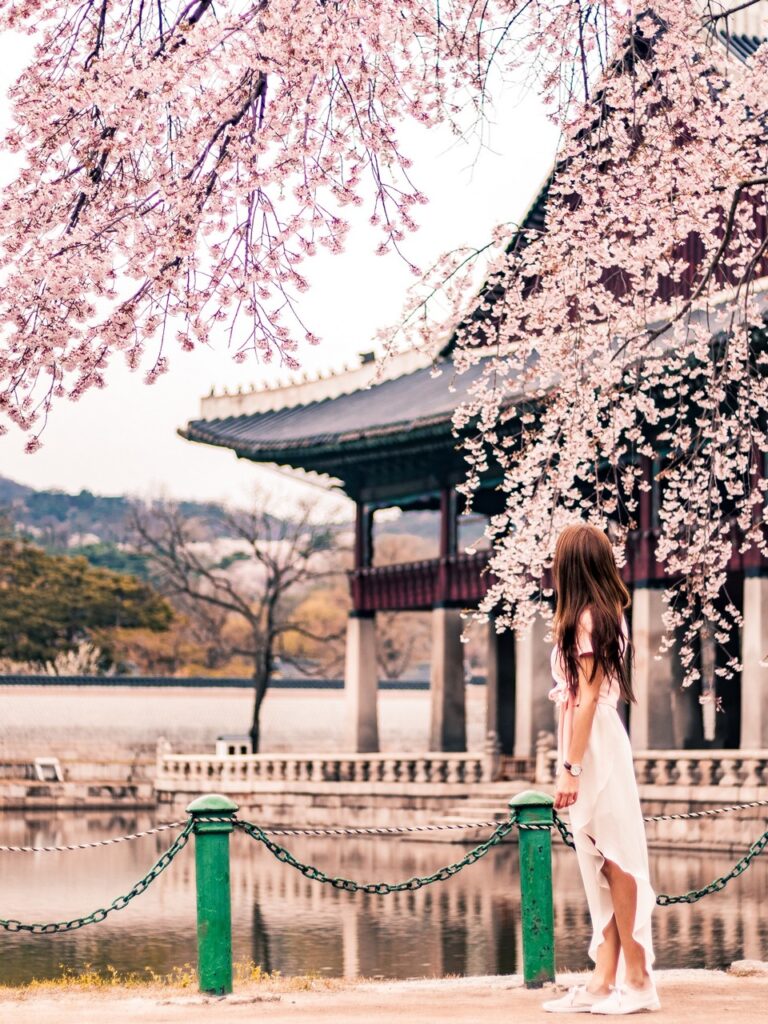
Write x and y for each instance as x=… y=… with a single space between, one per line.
x=392 y=444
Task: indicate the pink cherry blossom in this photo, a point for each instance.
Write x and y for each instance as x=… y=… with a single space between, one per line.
x=179 y=160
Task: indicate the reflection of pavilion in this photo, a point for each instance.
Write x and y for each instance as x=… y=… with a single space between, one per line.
x=392 y=445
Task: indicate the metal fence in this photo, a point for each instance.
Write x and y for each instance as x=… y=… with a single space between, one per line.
x=212 y=818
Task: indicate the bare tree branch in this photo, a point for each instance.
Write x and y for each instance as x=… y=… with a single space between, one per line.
x=280 y=558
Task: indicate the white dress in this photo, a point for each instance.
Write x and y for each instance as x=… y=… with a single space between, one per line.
x=607 y=807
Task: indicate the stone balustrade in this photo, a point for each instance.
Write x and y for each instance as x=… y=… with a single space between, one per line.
x=198 y=772
x=725 y=769
x=678 y=782
x=332 y=790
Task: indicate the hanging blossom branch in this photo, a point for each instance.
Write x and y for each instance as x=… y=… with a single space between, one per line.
x=634 y=327
x=179 y=161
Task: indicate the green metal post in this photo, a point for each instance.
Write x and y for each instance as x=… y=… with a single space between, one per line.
x=214 y=910
x=535 y=847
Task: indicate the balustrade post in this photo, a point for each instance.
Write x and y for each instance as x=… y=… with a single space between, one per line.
x=536 y=904
x=214 y=903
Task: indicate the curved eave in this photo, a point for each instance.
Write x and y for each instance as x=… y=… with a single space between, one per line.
x=308 y=452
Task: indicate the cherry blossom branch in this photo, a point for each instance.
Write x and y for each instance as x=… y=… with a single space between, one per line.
x=714 y=263
x=717 y=16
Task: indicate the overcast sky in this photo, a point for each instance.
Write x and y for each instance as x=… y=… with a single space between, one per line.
x=123 y=440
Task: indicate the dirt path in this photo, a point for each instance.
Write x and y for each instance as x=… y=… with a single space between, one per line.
x=687 y=997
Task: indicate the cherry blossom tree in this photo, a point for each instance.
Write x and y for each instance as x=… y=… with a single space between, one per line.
x=634 y=326
x=180 y=159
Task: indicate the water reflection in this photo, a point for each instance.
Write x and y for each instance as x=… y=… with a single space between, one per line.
x=281 y=920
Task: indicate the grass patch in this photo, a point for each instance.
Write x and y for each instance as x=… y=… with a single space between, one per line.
x=184 y=978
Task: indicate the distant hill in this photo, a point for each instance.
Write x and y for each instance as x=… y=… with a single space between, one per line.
x=97 y=526
x=91 y=523
x=10 y=491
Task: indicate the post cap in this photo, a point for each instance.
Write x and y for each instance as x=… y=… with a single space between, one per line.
x=532 y=798
x=212 y=803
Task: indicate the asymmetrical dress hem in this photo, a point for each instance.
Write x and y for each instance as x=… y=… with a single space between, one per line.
x=606 y=818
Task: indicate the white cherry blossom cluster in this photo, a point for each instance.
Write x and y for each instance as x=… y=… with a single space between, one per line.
x=632 y=331
x=180 y=160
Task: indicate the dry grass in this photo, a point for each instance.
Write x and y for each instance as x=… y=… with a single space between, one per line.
x=247 y=976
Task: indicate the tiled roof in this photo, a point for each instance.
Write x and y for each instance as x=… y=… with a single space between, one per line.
x=743 y=46
x=414 y=401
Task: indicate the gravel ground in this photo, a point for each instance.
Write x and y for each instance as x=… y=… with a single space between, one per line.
x=687 y=997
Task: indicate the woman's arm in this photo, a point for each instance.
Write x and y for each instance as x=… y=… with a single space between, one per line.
x=567 y=785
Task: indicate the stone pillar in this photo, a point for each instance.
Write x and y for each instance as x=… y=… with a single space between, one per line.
x=651 y=718
x=687 y=716
x=361 y=684
x=754 y=677
x=447 y=730
x=534 y=711
x=500 y=688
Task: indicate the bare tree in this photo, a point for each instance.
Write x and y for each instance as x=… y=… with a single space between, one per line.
x=251 y=576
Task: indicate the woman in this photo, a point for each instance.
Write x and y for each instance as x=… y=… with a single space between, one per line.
x=596 y=779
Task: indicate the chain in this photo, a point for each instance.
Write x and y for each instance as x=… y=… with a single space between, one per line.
x=565 y=832
x=333 y=832
x=568 y=836
x=501 y=830
x=663 y=899
x=90 y=846
x=389 y=830
x=755 y=850
x=706 y=814
x=370 y=831
x=117 y=904
x=379 y=888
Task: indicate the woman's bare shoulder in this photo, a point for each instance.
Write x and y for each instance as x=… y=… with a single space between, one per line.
x=584 y=632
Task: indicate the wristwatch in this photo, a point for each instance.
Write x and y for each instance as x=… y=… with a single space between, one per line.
x=574 y=769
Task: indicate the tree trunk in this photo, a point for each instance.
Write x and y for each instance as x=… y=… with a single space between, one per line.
x=260 y=684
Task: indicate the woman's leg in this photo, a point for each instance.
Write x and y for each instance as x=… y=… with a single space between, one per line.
x=606 y=961
x=624 y=895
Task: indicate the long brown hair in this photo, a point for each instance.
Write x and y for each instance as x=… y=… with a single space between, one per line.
x=586 y=578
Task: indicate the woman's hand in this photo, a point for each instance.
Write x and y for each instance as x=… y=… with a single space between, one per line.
x=566 y=789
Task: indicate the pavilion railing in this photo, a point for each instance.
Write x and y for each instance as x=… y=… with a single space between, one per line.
x=416 y=586
x=463 y=579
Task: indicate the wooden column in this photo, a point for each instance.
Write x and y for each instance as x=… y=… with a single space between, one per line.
x=361 y=681
x=447 y=701
x=363 y=553
x=651 y=718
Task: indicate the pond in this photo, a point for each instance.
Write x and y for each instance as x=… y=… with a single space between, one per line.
x=469 y=925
